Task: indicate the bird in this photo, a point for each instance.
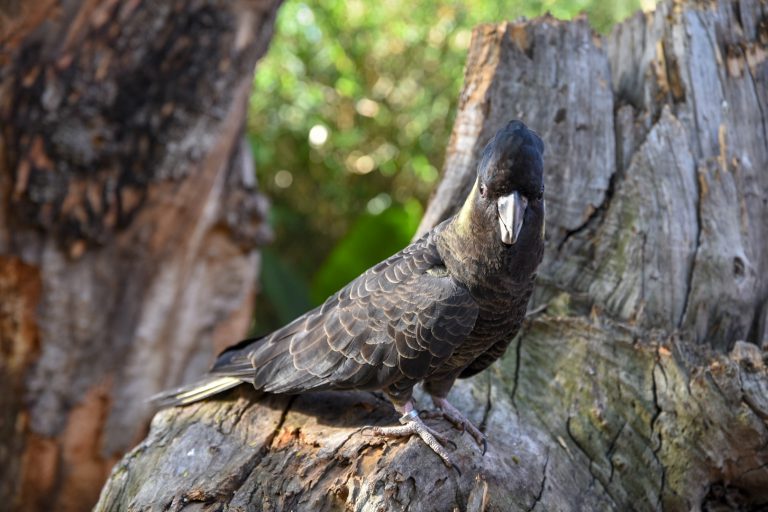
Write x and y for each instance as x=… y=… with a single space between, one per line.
x=443 y=308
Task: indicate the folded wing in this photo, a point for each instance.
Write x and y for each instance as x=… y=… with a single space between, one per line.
x=399 y=320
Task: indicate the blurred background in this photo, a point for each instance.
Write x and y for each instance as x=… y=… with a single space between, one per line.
x=350 y=115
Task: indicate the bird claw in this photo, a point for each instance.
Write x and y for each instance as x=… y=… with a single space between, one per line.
x=412 y=425
x=430 y=415
x=453 y=415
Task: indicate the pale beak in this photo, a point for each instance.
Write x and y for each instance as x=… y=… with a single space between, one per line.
x=511 y=211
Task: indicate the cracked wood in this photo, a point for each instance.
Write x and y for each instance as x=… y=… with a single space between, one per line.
x=129 y=207
x=640 y=382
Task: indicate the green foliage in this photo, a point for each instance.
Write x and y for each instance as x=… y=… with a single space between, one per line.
x=288 y=293
x=349 y=119
x=371 y=239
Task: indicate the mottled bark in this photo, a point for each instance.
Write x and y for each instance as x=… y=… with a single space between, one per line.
x=640 y=383
x=129 y=223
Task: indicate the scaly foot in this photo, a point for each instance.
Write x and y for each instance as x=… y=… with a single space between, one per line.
x=452 y=414
x=412 y=425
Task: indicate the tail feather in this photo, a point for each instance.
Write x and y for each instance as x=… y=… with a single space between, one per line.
x=194 y=392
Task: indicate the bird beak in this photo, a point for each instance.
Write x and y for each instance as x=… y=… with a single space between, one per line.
x=511 y=210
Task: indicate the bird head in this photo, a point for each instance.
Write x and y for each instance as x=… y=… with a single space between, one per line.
x=509 y=180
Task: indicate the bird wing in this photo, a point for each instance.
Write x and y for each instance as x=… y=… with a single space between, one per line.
x=486 y=358
x=400 y=319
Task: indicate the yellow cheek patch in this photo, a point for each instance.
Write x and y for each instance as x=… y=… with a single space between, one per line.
x=464 y=221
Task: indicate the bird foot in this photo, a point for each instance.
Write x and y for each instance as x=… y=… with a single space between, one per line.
x=413 y=425
x=449 y=412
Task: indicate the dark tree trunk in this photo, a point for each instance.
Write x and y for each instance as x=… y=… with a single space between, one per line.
x=129 y=222
x=641 y=383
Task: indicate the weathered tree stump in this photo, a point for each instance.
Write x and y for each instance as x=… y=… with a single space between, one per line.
x=641 y=381
x=129 y=222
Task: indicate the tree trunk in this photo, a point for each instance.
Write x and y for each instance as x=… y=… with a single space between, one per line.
x=640 y=383
x=129 y=222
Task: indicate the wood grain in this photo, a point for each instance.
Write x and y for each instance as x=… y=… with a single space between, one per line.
x=128 y=206
x=641 y=384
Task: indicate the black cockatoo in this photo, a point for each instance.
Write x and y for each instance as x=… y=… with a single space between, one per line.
x=443 y=308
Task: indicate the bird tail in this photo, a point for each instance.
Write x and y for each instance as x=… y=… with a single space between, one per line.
x=194 y=392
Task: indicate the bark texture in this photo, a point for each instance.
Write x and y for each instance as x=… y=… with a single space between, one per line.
x=129 y=223
x=640 y=383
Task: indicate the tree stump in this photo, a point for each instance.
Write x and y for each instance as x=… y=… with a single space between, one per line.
x=639 y=381
x=129 y=223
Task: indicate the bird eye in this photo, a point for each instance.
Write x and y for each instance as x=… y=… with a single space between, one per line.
x=483 y=190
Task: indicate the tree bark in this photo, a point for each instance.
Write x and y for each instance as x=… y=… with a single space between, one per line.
x=129 y=223
x=640 y=381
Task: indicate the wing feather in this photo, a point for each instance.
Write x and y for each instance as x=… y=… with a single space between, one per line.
x=395 y=321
